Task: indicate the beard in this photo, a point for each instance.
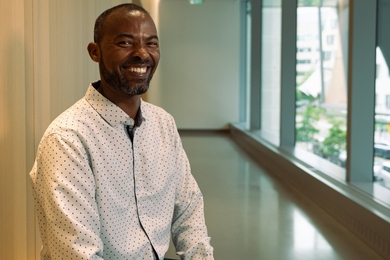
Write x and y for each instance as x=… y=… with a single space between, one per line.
x=118 y=81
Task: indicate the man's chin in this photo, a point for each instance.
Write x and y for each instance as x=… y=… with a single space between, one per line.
x=135 y=90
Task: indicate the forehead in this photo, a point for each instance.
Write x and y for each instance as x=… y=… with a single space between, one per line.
x=134 y=22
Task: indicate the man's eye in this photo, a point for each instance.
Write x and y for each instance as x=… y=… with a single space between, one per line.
x=125 y=43
x=153 y=44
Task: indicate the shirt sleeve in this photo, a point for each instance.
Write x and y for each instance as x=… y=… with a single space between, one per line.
x=189 y=231
x=64 y=193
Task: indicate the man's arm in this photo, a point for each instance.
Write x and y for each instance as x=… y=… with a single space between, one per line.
x=189 y=232
x=64 y=192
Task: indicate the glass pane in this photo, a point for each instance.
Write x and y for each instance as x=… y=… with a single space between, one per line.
x=270 y=70
x=382 y=102
x=321 y=78
x=248 y=33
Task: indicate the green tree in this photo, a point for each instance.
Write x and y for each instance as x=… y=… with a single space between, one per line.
x=305 y=128
x=308 y=2
x=335 y=142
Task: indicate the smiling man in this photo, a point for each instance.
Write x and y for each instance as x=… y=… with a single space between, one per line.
x=111 y=179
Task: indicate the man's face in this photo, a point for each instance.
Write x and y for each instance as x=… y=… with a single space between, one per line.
x=129 y=51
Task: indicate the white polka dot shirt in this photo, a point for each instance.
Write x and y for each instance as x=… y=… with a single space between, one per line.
x=98 y=195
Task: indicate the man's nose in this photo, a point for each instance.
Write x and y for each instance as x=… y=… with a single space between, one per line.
x=141 y=52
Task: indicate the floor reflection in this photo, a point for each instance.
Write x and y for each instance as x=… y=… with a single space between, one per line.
x=252 y=216
x=306 y=236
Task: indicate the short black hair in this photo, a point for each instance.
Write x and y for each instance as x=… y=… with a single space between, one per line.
x=97 y=35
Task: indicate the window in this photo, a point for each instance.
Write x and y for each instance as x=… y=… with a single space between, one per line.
x=326 y=55
x=321 y=81
x=270 y=70
x=247 y=60
x=313 y=115
x=330 y=39
x=381 y=169
x=304 y=50
x=303 y=61
x=387 y=101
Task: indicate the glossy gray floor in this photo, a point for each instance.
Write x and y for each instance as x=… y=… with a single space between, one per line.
x=250 y=215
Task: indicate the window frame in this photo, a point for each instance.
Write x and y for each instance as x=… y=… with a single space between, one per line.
x=360 y=86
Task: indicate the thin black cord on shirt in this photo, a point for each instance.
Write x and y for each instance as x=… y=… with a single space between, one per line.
x=130 y=131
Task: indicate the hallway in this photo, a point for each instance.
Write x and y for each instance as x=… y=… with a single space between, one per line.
x=250 y=215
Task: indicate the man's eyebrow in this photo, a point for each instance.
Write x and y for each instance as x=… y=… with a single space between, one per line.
x=152 y=37
x=125 y=35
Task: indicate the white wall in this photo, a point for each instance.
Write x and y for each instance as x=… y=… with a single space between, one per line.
x=45 y=68
x=15 y=235
x=198 y=77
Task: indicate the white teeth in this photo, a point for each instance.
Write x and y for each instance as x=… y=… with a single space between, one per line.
x=138 y=70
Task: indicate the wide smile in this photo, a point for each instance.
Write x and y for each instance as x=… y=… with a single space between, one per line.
x=140 y=71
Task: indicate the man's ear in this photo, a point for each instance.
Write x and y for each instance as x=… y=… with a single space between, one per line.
x=94 y=51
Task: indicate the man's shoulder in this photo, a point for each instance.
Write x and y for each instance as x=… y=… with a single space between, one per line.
x=74 y=112
x=71 y=118
x=149 y=109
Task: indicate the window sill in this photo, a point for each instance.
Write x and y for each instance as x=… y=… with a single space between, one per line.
x=363 y=208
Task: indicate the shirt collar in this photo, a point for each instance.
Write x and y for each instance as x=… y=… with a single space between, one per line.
x=110 y=112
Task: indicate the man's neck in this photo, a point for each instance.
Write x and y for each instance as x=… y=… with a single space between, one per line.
x=129 y=104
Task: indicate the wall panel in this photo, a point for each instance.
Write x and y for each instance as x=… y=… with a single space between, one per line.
x=198 y=76
x=62 y=68
x=13 y=180
x=44 y=68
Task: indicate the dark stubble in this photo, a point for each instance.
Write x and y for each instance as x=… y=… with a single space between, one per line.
x=118 y=81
